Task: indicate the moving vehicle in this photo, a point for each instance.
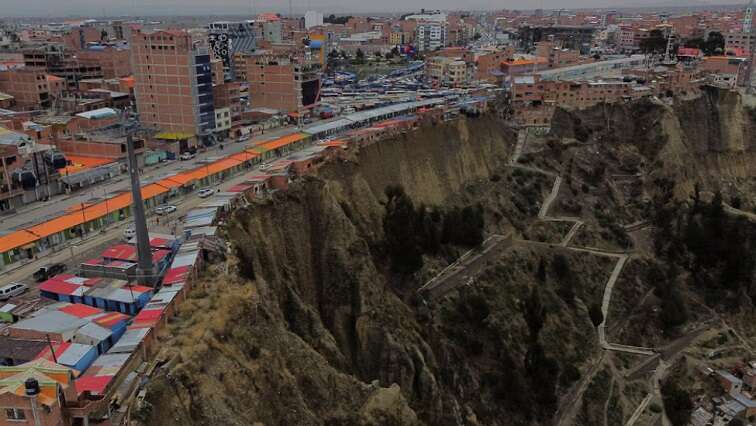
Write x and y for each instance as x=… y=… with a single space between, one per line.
x=12 y=289
x=166 y=209
x=187 y=156
x=48 y=271
x=206 y=192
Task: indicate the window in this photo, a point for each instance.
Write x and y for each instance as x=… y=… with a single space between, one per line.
x=15 y=414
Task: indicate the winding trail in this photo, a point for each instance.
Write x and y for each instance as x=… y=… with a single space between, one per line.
x=462 y=272
x=568 y=407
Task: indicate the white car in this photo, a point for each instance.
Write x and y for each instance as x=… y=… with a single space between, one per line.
x=186 y=156
x=12 y=289
x=206 y=192
x=163 y=210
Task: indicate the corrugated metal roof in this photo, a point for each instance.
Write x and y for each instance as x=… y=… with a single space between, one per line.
x=109 y=364
x=73 y=353
x=94 y=332
x=97 y=114
x=185 y=259
x=129 y=341
x=52 y=322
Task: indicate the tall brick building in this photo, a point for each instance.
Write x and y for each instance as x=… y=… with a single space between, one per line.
x=31 y=88
x=173 y=82
x=114 y=61
x=278 y=80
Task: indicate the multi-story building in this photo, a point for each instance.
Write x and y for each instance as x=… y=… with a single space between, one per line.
x=78 y=37
x=228 y=38
x=30 y=88
x=399 y=37
x=488 y=63
x=446 y=71
x=740 y=40
x=173 y=83
x=430 y=35
x=56 y=60
x=569 y=36
x=113 y=60
x=556 y=56
x=627 y=41
x=280 y=81
x=228 y=95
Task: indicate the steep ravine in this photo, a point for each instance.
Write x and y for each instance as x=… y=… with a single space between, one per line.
x=310 y=326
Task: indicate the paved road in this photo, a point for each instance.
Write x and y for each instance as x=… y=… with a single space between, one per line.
x=41 y=211
x=114 y=233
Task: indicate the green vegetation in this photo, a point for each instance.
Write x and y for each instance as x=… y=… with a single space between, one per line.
x=333 y=19
x=410 y=232
x=594 y=311
x=712 y=45
x=674 y=310
x=656 y=42
x=714 y=247
x=677 y=403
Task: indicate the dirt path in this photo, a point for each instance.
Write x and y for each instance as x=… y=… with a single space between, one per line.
x=567 y=410
x=608 y=401
x=463 y=270
x=732 y=210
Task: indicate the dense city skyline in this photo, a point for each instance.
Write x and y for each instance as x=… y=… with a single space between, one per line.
x=44 y=8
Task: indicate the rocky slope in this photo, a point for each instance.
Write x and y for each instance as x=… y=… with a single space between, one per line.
x=310 y=325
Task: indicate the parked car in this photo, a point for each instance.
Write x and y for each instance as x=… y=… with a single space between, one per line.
x=186 y=156
x=163 y=210
x=206 y=192
x=12 y=289
x=48 y=271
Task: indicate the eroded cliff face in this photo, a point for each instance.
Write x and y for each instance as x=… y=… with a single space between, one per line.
x=308 y=325
x=707 y=140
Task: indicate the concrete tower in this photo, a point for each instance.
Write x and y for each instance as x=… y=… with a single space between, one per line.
x=145 y=273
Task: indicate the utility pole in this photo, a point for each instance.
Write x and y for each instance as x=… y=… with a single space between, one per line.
x=145 y=269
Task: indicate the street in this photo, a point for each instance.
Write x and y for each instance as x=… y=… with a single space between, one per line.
x=38 y=212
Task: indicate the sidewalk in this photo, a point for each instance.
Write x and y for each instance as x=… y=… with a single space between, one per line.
x=184 y=203
x=39 y=212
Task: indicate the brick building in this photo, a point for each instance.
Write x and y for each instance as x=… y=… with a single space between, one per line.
x=114 y=61
x=173 y=82
x=30 y=88
x=279 y=80
x=556 y=56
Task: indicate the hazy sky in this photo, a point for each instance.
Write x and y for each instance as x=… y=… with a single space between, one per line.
x=96 y=8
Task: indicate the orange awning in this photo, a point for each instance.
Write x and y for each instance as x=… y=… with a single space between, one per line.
x=80 y=163
x=152 y=190
x=168 y=183
x=244 y=156
x=16 y=239
x=283 y=141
